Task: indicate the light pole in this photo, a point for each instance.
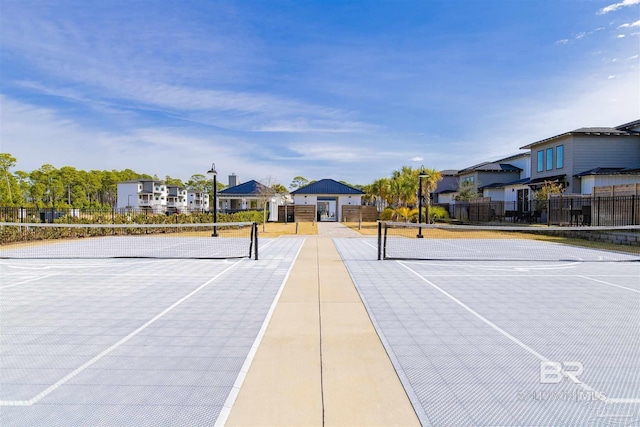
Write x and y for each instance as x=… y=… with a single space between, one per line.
x=421 y=175
x=215 y=198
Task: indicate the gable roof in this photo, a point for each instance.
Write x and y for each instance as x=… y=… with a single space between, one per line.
x=327 y=186
x=249 y=188
x=630 y=127
x=448 y=184
x=491 y=167
x=596 y=131
x=505 y=184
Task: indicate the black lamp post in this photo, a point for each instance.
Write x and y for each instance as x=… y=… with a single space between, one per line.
x=215 y=198
x=421 y=175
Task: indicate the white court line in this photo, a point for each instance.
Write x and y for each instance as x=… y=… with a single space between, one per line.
x=478 y=265
x=29 y=280
x=93 y=360
x=233 y=395
x=610 y=284
x=509 y=336
x=107 y=263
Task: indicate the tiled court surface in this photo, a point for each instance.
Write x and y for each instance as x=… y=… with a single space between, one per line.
x=468 y=338
x=130 y=342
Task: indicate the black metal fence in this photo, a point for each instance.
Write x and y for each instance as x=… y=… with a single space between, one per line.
x=601 y=211
x=528 y=211
x=565 y=210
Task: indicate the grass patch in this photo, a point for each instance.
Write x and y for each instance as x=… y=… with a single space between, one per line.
x=277 y=229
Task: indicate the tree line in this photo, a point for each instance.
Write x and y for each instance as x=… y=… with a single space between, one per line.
x=67 y=186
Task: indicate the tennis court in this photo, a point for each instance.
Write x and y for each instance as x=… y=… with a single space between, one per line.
x=131 y=341
x=508 y=342
x=111 y=341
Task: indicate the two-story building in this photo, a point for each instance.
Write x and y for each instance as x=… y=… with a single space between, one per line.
x=570 y=157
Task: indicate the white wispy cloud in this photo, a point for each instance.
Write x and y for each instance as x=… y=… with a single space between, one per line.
x=147 y=76
x=631 y=24
x=417 y=159
x=178 y=152
x=563 y=41
x=616 y=6
x=621 y=36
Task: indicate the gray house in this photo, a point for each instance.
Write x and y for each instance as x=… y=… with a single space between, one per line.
x=566 y=157
x=447 y=187
x=489 y=173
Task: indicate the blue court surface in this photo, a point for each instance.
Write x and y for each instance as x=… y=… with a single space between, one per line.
x=131 y=342
x=508 y=342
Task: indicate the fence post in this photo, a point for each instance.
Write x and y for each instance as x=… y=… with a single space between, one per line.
x=598 y=209
x=613 y=211
x=633 y=209
x=379 y=240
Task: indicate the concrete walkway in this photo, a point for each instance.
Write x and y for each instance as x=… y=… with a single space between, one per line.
x=335 y=229
x=321 y=361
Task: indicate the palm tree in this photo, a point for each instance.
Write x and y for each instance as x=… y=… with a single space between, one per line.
x=430 y=183
x=404 y=186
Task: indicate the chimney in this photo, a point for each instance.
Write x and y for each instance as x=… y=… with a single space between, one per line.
x=233 y=180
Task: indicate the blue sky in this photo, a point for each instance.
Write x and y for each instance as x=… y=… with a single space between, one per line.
x=349 y=90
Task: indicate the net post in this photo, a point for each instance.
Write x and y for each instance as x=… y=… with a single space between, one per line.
x=379 y=240
x=384 y=243
x=255 y=236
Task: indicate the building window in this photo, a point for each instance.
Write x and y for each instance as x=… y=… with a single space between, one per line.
x=549 y=159
x=540 y=161
x=559 y=156
x=468 y=180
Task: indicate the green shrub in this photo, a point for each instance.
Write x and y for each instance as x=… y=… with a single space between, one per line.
x=438 y=213
x=387 y=214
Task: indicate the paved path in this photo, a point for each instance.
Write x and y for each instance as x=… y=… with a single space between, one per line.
x=321 y=361
x=335 y=229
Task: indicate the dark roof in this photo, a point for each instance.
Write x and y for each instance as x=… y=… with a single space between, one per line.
x=629 y=126
x=491 y=167
x=553 y=178
x=610 y=171
x=449 y=172
x=139 y=180
x=249 y=188
x=448 y=184
x=327 y=186
x=504 y=184
x=596 y=131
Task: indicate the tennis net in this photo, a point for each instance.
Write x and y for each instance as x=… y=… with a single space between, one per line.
x=194 y=241
x=398 y=240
